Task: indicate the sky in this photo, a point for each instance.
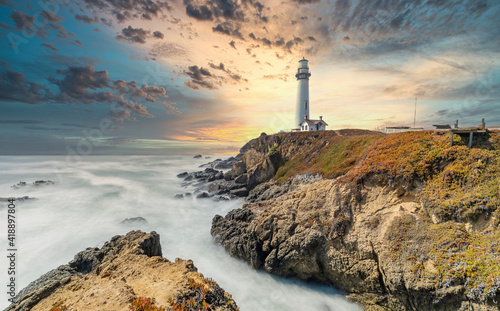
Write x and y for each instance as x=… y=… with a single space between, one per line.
x=124 y=77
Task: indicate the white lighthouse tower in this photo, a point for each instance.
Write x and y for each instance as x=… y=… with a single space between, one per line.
x=302 y=110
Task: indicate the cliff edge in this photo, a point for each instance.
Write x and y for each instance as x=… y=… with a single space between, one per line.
x=126 y=273
x=400 y=222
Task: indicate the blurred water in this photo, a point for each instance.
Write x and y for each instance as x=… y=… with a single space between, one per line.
x=90 y=199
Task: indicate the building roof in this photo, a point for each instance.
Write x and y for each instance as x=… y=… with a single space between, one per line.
x=398 y=127
x=442 y=126
x=314 y=122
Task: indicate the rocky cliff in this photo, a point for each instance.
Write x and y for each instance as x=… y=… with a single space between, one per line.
x=400 y=222
x=127 y=273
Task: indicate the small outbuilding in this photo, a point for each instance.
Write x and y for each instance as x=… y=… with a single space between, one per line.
x=313 y=125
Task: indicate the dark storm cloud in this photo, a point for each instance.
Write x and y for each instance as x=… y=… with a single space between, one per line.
x=87 y=19
x=50 y=46
x=15 y=88
x=129 y=9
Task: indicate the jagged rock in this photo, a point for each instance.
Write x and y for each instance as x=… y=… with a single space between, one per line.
x=325 y=231
x=239 y=168
x=133 y=220
x=111 y=277
x=228 y=175
x=182 y=175
x=242 y=179
x=240 y=192
x=222 y=186
x=197 y=156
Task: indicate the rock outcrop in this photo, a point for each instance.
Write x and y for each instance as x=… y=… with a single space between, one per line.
x=379 y=231
x=125 y=269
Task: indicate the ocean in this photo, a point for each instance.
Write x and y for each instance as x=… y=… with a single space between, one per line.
x=91 y=197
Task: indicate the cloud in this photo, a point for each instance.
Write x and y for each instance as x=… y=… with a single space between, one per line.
x=168 y=49
x=158 y=34
x=229 y=29
x=229 y=74
x=214 y=9
x=137 y=35
x=126 y=10
x=46 y=21
x=15 y=88
x=87 y=19
x=201 y=12
x=200 y=78
x=85 y=85
x=171 y=108
x=232 y=44
x=50 y=46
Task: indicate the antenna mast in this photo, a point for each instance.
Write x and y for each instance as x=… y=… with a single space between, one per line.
x=415 y=113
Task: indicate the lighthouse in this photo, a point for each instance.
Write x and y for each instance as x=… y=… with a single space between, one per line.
x=302 y=109
x=302 y=120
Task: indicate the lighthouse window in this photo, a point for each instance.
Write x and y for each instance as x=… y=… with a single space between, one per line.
x=306 y=104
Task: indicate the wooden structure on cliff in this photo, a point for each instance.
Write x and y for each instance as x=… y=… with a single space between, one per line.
x=469 y=132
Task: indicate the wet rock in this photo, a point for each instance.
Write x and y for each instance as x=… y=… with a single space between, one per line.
x=197 y=156
x=43 y=182
x=183 y=175
x=179 y=196
x=203 y=195
x=134 y=220
x=222 y=186
x=37 y=183
x=240 y=192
